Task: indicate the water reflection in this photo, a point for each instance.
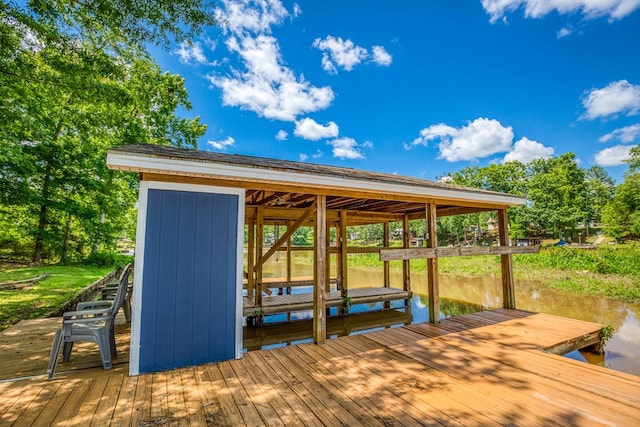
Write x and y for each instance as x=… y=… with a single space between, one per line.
x=463 y=295
x=297 y=327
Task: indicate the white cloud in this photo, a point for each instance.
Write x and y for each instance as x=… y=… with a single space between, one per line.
x=627 y=134
x=346 y=148
x=297 y=10
x=281 y=135
x=564 y=32
x=211 y=44
x=327 y=65
x=367 y=144
x=590 y=9
x=618 y=97
x=526 y=150
x=191 y=53
x=222 y=145
x=304 y=156
x=254 y=16
x=613 y=156
x=480 y=138
x=343 y=53
x=308 y=128
x=265 y=85
x=381 y=56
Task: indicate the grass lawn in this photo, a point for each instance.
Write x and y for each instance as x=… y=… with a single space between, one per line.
x=43 y=296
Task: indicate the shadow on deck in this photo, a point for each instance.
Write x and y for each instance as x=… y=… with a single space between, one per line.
x=479 y=369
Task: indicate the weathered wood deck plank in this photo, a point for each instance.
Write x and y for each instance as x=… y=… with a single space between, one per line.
x=298 y=405
x=481 y=369
x=390 y=406
x=125 y=402
x=303 y=386
x=192 y=398
x=491 y=356
x=335 y=386
x=409 y=387
x=86 y=402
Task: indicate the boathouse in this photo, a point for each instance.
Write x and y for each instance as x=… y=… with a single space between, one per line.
x=196 y=207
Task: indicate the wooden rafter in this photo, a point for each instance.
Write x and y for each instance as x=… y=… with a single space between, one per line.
x=283 y=239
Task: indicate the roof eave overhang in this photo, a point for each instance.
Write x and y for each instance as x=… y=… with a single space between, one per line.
x=141 y=163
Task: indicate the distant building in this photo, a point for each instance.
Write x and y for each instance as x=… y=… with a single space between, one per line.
x=528 y=241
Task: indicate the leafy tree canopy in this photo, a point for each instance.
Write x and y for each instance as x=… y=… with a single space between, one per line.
x=75 y=80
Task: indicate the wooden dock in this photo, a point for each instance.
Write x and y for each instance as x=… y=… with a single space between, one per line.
x=304 y=301
x=283 y=283
x=480 y=369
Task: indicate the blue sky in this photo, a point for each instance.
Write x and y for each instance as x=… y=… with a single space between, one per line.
x=418 y=88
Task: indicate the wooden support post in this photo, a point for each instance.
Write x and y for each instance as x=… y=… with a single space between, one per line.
x=320 y=272
x=344 y=283
x=259 y=248
x=289 y=253
x=406 y=269
x=328 y=258
x=385 y=264
x=338 y=252
x=506 y=263
x=251 y=256
x=276 y=232
x=433 y=282
x=387 y=273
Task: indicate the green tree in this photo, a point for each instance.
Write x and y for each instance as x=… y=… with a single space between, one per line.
x=64 y=102
x=557 y=192
x=510 y=177
x=600 y=191
x=120 y=23
x=621 y=217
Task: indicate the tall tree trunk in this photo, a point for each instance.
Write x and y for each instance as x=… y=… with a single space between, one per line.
x=42 y=223
x=67 y=236
x=44 y=206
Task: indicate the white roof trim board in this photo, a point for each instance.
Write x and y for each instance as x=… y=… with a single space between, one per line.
x=172 y=161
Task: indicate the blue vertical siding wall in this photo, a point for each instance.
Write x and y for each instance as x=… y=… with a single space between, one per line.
x=188 y=314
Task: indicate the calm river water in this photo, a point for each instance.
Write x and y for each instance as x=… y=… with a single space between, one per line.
x=461 y=294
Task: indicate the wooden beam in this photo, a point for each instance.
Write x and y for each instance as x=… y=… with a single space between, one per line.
x=312 y=189
x=320 y=272
x=251 y=256
x=506 y=263
x=328 y=257
x=451 y=210
x=406 y=267
x=385 y=242
x=283 y=239
x=359 y=250
x=344 y=282
x=415 y=253
x=274 y=214
x=259 y=247
x=386 y=271
x=433 y=281
x=289 y=260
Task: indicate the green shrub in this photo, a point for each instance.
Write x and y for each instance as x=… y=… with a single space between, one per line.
x=603 y=260
x=107 y=259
